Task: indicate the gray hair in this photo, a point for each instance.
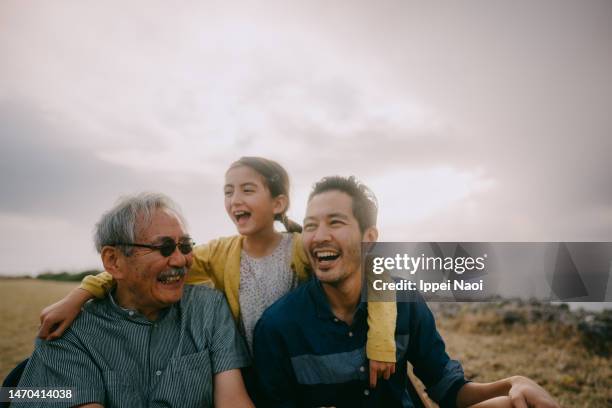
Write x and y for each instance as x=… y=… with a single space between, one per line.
x=119 y=224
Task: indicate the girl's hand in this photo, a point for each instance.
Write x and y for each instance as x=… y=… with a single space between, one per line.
x=56 y=318
x=378 y=369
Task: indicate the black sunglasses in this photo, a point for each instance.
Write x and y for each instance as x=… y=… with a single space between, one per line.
x=166 y=248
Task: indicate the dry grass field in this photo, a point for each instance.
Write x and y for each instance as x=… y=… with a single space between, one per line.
x=549 y=350
x=555 y=358
x=21 y=301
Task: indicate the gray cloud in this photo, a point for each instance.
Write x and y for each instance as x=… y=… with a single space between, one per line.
x=510 y=100
x=43 y=173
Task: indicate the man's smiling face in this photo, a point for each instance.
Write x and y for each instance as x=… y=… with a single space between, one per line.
x=331 y=236
x=156 y=281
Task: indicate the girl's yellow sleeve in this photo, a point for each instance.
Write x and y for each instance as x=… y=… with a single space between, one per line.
x=199 y=273
x=382 y=317
x=98 y=285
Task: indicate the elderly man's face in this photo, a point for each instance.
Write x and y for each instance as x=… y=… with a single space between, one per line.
x=154 y=280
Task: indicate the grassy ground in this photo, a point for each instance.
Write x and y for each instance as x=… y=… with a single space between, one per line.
x=20 y=304
x=552 y=356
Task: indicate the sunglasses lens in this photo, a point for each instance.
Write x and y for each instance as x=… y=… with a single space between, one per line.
x=185 y=247
x=167 y=248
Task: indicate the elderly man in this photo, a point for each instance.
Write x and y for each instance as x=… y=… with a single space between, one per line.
x=152 y=342
x=309 y=346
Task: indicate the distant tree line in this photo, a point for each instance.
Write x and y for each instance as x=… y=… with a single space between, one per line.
x=67 y=276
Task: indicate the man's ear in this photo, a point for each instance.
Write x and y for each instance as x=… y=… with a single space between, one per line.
x=280 y=204
x=370 y=235
x=113 y=260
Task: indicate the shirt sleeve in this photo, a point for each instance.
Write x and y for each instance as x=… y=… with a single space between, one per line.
x=98 y=285
x=382 y=318
x=275 y=376
x=227 y=348
x=201 y=271
x=63 y=364
x=442 y=376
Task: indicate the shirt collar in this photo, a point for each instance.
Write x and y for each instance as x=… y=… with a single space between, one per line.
x=133 y=314
x=323 y=310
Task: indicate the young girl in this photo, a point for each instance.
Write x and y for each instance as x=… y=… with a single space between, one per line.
x=253 y=269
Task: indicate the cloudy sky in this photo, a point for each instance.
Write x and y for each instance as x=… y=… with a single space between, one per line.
x=471 y=120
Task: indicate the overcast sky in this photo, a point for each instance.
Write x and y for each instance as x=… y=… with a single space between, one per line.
x=471 y=120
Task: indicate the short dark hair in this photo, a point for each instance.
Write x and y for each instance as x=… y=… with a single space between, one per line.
x=365 y=205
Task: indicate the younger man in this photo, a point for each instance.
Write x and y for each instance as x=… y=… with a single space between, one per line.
x=309 y=346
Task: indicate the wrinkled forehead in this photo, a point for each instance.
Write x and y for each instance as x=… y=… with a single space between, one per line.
x=159 y=223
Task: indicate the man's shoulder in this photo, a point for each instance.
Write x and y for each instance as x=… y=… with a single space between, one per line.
x=414 y=317
x=91 y=311
x=73 y=339
x=200 y=296
x=96 y=316
x=411 y=304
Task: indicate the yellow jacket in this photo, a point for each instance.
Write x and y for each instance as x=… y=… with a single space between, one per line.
x=217 y=263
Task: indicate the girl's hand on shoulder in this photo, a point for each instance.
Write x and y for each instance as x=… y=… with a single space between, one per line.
x=56 y=318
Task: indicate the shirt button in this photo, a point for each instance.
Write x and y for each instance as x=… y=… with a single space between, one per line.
x=158 y=372
x=350 y=334
x=131 y=313
x=366 y=392
x=362 y=369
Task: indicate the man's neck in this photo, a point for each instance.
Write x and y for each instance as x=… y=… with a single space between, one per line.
x=125 y=299
x=344 y=297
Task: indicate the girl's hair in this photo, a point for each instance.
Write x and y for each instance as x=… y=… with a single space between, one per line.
x=276 y=179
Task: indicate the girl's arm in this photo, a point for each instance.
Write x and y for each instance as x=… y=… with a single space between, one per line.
x=382 y=317
x=380 y=347
x=56 y=318
x=201 y=270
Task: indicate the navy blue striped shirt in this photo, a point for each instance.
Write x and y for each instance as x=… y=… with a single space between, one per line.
x=305 y=356
x=119 y=358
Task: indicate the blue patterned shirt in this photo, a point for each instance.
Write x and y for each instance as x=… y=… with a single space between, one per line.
x=305 y=356
x=118 y=358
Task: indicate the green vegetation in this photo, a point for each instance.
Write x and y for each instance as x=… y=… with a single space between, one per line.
x=67 y=276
